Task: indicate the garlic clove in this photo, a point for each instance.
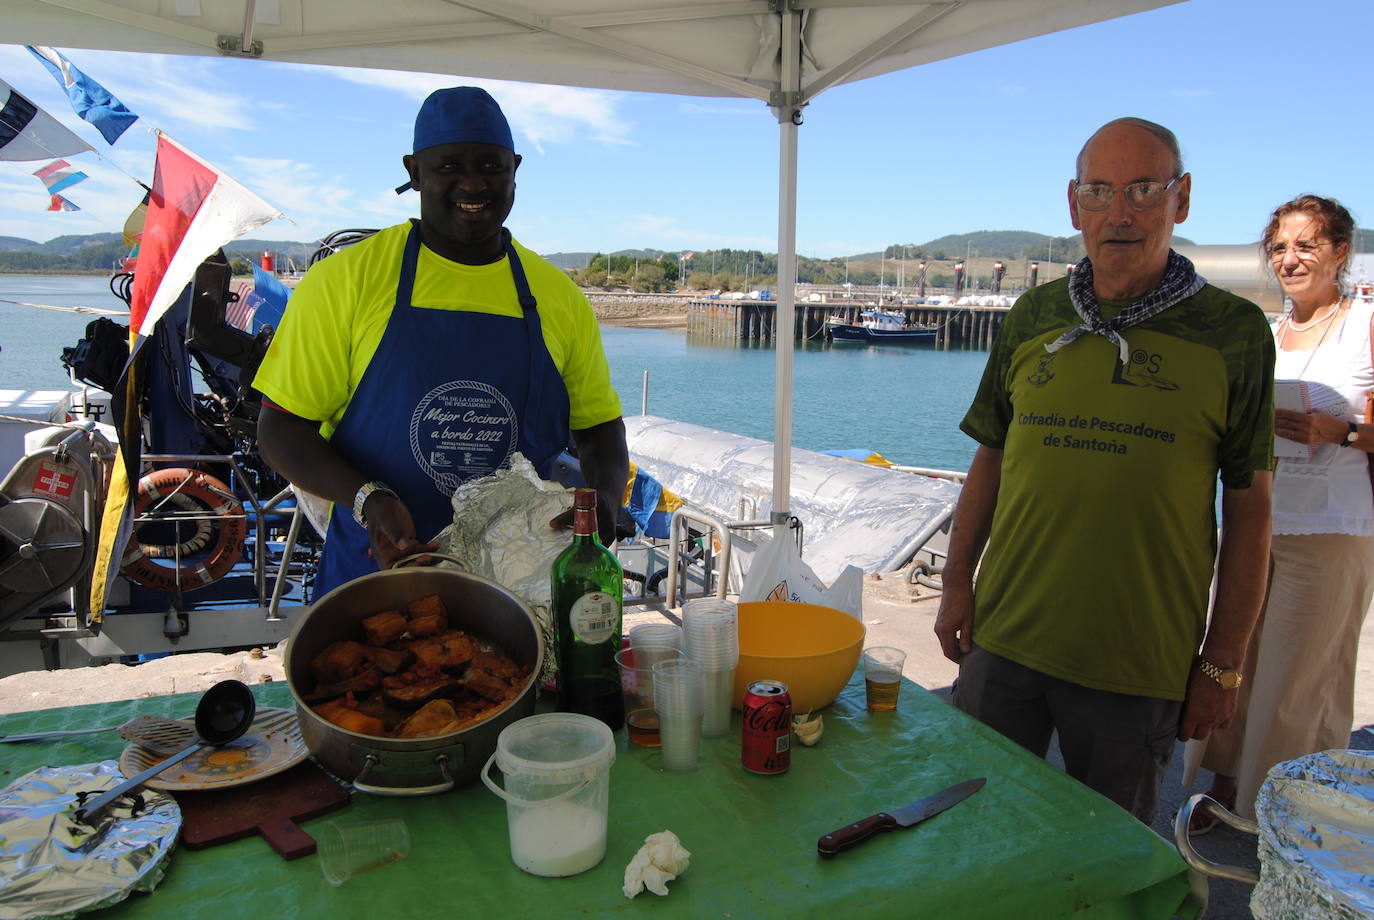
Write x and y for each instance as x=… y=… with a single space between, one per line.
x=808 y=728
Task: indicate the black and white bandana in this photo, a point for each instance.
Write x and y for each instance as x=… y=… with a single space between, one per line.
x=1180 y=282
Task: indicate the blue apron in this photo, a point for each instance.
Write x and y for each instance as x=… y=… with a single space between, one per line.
x=449 y=396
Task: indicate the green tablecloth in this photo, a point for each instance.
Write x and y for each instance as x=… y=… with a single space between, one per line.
x=1033 y=843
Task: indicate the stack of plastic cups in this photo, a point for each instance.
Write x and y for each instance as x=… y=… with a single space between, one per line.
x=655 y=642
x=678 y=699
x=710 y=637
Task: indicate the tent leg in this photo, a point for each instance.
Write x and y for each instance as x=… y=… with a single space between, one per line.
x=788 y=113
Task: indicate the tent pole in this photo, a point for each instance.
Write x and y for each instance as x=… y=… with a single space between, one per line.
x=788 y=111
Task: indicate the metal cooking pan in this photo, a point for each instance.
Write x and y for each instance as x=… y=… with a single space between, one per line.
x=412 y=766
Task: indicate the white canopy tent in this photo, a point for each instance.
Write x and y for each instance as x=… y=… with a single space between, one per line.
x=781 y=52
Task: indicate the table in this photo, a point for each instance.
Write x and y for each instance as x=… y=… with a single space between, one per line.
x=1033 y=843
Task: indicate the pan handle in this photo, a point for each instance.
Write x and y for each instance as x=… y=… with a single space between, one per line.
x=434 y=555
x=371 y=760
x=1196 y=860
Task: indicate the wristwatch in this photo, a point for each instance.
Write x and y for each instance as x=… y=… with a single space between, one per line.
x=361 y=499
x=1352 y=436
x=1228 y=678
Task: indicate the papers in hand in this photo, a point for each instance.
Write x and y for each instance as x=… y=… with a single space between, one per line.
x=1294 y=395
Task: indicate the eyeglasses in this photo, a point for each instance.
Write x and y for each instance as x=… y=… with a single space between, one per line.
x=1303 y=249
x=1097 y=196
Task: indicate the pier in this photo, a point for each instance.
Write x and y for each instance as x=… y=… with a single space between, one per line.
x=755 y=321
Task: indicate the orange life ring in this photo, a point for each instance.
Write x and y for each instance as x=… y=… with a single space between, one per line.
x=187 y=490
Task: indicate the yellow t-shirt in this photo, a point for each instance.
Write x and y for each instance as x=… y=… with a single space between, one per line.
x=337 y=314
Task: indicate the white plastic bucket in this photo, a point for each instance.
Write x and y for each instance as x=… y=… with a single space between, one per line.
x=556 y=768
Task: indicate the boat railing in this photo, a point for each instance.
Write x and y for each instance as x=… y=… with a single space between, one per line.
x=717 y=552
x=951 y=475
x=254 y=506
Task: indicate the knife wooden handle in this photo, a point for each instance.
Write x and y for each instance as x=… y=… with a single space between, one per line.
x=854 y=834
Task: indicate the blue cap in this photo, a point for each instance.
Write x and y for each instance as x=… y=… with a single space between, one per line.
x=461 y=115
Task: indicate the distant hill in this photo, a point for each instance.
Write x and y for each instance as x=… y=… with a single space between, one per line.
x=993 y=244
x=98 y=251
x=253 y=249
x=575 y=261
x=68 y=245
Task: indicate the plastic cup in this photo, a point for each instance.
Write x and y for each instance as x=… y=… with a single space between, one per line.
x=647 y=655
x=637 y=688
x=655 y=634
x=718 y=692
x=710 y=633
x=679 y=700
x=349 y=848
x=883 y=677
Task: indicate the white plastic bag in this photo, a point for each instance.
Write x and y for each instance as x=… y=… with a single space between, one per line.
x=778 y=573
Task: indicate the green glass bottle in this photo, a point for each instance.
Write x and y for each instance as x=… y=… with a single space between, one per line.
x=587 y=586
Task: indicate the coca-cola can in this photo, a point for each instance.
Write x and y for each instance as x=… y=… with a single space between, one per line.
x=766 y=746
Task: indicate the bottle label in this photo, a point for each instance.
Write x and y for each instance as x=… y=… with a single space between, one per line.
x=594 y=616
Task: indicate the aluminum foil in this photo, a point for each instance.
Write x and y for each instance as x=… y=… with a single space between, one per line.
x=501 y=531
x=52 y=865
x=1316 y=838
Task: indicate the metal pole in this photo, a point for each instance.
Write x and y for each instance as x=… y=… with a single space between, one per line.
x=789 y=117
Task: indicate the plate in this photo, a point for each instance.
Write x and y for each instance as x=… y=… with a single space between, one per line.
x=272 y=744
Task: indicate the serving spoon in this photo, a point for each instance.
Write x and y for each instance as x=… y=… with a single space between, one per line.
x=224 y=712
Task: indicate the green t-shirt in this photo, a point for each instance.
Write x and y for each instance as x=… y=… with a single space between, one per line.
x=338 y=312
x=1101 y=552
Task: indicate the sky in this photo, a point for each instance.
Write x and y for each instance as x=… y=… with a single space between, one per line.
x=1266 y=96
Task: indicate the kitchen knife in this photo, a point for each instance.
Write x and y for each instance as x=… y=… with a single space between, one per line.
x=906 y=816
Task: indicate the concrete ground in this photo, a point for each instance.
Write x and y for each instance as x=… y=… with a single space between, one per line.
x=895 y=613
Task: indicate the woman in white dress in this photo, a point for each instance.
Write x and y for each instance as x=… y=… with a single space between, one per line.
x=1297 y=694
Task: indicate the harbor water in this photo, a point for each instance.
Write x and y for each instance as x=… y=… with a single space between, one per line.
x=903 y=402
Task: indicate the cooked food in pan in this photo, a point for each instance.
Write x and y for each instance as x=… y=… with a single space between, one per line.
x=412 y=676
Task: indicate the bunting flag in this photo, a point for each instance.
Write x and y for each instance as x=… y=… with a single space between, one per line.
x=89 y=99
x=650 y=504
x=133 y=226
x=59 y=203
x=272 y=296
x=29 y=133
x=193 y=210
x=59 y=175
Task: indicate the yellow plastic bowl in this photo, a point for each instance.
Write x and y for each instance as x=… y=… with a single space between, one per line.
x=812 y=649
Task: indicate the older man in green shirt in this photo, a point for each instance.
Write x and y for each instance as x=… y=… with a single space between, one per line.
x=1111 y=402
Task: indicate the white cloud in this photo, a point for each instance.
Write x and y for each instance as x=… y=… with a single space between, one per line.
x=164 y=90
x=540 y=114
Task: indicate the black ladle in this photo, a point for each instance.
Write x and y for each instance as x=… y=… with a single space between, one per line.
x=224 y=713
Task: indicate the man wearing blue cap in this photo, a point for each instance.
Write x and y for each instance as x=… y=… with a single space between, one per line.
x=431 y=352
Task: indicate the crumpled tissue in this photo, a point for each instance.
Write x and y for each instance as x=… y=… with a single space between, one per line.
x=501 y=531
x=658 y=862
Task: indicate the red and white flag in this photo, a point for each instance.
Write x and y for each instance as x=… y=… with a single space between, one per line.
x=193 y=210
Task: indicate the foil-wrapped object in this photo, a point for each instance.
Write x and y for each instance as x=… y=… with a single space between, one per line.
x=501 y=531
x=1316 y=838
x=52 y=865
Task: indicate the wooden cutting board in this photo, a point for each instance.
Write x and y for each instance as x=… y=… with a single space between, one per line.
x=271 y=807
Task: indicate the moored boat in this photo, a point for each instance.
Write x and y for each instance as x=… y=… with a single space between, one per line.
x=881 y=326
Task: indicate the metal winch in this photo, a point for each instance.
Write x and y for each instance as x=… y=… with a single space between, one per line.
x=49 y=512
